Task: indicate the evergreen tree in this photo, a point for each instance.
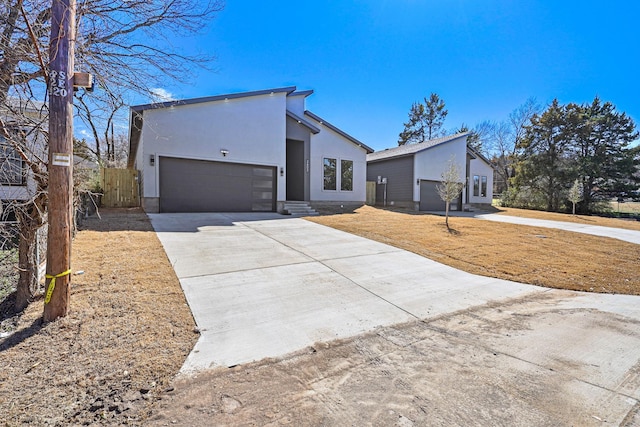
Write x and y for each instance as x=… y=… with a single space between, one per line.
x=589 y=142
x=545 y=156
x=601 y=144
x=425 y=121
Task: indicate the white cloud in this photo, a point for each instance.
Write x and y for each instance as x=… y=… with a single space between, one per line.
x=159 y=94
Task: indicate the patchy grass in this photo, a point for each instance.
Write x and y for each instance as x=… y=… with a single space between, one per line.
x=538 y=256
x=126 y=336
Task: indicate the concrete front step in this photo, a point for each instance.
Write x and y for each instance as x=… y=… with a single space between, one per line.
x=299 y=209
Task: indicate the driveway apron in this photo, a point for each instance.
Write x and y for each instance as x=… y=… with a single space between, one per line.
x=265 y=285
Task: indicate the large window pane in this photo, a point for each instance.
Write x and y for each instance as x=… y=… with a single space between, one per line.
x=476 y=185
x=330 y=173
x=346 y=175
x=483 y=188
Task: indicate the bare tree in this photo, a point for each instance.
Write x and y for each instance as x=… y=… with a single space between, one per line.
x=126 y=45
x=575 y=194
x=23 y=144
x=505 y=138
x=450 y=185
x=99 y=112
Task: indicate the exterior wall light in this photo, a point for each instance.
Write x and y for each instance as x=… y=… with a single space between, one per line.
x=224 y=152
x=152 y=160
x=281 y=171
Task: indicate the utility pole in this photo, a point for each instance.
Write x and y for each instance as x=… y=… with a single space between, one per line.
x=60 y=86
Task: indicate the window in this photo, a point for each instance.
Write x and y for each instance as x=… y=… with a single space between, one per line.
x=346 y=175
x=483 y=188
x=476 y=185
x=12 y=167
x=330 y=177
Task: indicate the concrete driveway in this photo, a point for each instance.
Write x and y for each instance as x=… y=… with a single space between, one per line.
x=264 y=285
x=596 y=230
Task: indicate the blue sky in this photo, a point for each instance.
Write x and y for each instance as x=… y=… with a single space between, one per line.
x=368 y=61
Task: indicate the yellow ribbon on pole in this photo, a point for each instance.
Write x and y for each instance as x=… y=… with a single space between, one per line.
x=52 y=284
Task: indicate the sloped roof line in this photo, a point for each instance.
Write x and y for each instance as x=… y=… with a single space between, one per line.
x=338 y=131
x=304 y=93
x=409 y=149
x=479 y=154
x=288 y=90
x=303 y=122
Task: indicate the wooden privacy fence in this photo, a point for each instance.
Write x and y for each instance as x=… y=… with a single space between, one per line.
x=371 y=193
x=119 y=188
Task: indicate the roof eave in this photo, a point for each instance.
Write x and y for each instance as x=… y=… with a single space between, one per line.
x=338 y=131
x=288 y=90
x=303 y=122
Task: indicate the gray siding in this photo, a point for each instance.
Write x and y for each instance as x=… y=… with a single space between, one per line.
x=399 y=174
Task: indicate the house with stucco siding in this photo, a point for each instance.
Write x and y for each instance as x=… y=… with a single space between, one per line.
x=407 y=176
x=250 y=151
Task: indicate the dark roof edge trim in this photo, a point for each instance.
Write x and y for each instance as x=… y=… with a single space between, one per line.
x=338 y=131
x=304 y=93
x=303 y=122
x=288 y=90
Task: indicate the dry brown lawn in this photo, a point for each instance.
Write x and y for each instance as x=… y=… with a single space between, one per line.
x=127 y=334
x=538 y=256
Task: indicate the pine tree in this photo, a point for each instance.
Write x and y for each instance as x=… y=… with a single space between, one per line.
x=425 y=121
x=544 y=159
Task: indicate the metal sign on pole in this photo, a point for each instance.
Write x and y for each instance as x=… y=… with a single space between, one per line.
x=60 y=188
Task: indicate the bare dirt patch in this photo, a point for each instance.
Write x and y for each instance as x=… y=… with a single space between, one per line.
x=126 y=336
x=534 y=255
x=467 y=368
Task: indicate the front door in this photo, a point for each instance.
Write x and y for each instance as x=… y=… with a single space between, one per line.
x=295 y=170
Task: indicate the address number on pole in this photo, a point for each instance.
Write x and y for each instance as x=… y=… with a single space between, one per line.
x=61 y=159
x=58 y=83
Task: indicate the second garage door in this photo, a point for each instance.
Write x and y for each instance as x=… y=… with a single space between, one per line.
x=430 y=200
x=203 y=186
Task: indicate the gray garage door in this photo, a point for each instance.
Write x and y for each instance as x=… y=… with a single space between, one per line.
x=430 y=200
x=204 y=186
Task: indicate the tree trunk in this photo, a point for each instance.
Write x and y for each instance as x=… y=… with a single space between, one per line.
x=446 y=214
x=27 y=264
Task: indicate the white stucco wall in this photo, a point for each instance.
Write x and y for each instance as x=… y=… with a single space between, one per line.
x=330 y=144
x=430 y=164
x=252 y=129
x=480 y=168
x=296 y=104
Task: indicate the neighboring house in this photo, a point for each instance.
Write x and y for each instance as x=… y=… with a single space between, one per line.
x=407 y=176
x=251 y=151
x=24 y=122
